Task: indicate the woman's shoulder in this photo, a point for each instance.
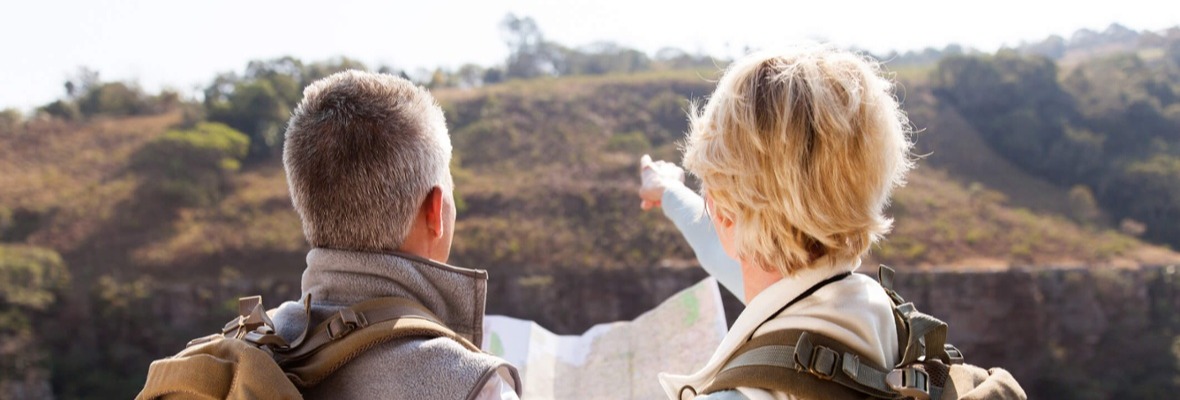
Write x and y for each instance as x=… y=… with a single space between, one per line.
x=855 y=311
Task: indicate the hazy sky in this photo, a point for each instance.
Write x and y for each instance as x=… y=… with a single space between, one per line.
x=183 y=44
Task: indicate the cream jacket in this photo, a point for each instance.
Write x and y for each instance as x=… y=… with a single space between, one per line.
x=854 y=310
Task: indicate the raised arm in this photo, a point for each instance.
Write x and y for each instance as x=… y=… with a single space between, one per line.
x=663 y=185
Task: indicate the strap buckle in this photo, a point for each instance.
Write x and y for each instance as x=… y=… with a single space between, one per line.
x=909 y=382
x=347 y=322
x=824 y=362
x=956 y=356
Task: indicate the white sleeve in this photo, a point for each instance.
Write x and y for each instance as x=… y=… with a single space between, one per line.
x=686 y=209
x=498 y=387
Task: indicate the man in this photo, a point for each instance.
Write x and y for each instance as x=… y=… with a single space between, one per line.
x=368 y=158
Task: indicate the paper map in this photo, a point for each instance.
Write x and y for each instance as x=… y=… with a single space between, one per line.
x=618 y=360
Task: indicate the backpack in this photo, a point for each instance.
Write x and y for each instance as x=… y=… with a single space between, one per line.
x=819 y=367
x=248 y=360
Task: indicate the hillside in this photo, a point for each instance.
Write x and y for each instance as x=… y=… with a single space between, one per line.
x=546 y=183
x=546 y=179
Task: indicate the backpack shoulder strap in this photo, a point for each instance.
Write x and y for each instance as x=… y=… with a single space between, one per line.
x=353 y=330
x=920 y=336
x=818 y=367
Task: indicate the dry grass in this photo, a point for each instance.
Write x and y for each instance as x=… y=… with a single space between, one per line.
x=943 y=223
x=541 y=186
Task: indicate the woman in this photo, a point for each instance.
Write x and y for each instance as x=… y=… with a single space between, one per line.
x=797 y=153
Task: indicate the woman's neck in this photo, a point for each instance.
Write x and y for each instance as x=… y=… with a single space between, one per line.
x=755 y=279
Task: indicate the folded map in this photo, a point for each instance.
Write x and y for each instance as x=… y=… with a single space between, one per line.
x=618 y=360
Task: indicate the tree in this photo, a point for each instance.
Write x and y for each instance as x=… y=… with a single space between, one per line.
x=604 y=58
x=191 y=167
x=114 y=99
x=82 y=82
x=31 y=281
x=61 y=109
x=470 y=76
x=529 y=54
x=259 y=102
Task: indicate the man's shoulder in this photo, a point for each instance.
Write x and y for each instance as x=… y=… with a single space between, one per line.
x=412 y=368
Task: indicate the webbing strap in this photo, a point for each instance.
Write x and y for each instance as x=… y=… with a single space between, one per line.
x=885 y=277
x=926 y=336
x=919 y=334
x=315 y=355
x=774 y=356
x=309 y=370
x=365 y=314
x=830 y=361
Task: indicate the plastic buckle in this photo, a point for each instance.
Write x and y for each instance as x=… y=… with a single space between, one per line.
x=348 y=322
x=956 y=356
x=910 y=382
x=824 y=362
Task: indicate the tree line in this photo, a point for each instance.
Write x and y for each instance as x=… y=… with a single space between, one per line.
x=1108 y=126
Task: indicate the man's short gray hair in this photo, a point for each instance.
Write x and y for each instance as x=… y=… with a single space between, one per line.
x=362 y=151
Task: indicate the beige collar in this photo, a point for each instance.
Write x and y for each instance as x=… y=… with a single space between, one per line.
x=342 y=278
x=762 y=307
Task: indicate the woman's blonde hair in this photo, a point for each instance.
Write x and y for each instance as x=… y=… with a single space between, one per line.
x=802 y=149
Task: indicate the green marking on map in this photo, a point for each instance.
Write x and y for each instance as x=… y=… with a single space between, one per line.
x=692 y=307
x=497 y=346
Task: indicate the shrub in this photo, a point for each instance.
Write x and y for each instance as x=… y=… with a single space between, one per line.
x=61 y=109
x=192 y=167
x=114 y=99
x=10 y=120
x=30 y=277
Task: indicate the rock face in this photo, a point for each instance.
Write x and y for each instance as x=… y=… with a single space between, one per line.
x=1064 y=333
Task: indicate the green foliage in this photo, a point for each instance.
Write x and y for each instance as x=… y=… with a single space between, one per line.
x=88 y=96
x=191 y=167
x=30 y=277
x=260 y=101
x=1083 y=208
x=530 y=55
x=604 y=58
x=629 y=143
x=114 y=99
x=31 y=281
x=11 y=120
x=1109 y=124
x=61 y=109
x=257 y=108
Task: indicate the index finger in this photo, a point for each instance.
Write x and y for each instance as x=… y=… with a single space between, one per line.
x=645 y=162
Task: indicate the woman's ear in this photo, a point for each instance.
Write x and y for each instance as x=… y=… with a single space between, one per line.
x=722 y=219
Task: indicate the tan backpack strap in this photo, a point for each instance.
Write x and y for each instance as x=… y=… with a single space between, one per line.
x=252 y=325
x=810 y=366
x=350 y=332
x=920 y=336
x=885 y=278
x=816 y=366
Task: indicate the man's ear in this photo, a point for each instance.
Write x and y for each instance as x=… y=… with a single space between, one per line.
x=431 y=211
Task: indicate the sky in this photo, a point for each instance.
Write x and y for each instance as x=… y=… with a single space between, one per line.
x=182 y=45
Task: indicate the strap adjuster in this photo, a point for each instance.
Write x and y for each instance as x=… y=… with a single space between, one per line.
x=349 y=321
x=824 y=362
x=909 y=382
x=956 y=356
